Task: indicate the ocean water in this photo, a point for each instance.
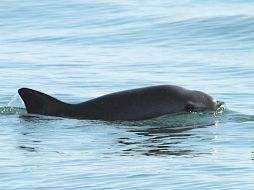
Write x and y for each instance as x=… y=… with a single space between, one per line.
x=78 y=50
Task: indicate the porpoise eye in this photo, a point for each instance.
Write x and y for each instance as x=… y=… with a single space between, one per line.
x=189 y=107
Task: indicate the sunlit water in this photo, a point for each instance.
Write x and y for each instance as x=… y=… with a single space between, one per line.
x=77 y=50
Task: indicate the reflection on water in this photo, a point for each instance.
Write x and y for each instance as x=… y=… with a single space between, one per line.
x=170 y=135
x=163 y=136
x=26 y=148
x=166 y=136
x=157 y=146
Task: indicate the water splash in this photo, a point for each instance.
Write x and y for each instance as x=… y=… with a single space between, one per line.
x=16 y=101
x=14 y=106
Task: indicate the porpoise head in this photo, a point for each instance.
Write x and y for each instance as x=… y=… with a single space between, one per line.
x=199 y=101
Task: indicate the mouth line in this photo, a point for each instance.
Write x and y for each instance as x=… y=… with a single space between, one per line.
x=218 y=104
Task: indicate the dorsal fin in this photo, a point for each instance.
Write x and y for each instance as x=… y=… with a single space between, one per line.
x=40 y=103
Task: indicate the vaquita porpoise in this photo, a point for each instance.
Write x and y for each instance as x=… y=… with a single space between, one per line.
x=128 y=105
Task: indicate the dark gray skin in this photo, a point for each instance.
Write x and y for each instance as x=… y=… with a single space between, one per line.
x=128 y=105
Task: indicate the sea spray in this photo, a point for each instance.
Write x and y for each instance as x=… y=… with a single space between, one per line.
x=14 y=106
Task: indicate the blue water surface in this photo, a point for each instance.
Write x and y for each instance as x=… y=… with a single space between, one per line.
x=78 y=50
